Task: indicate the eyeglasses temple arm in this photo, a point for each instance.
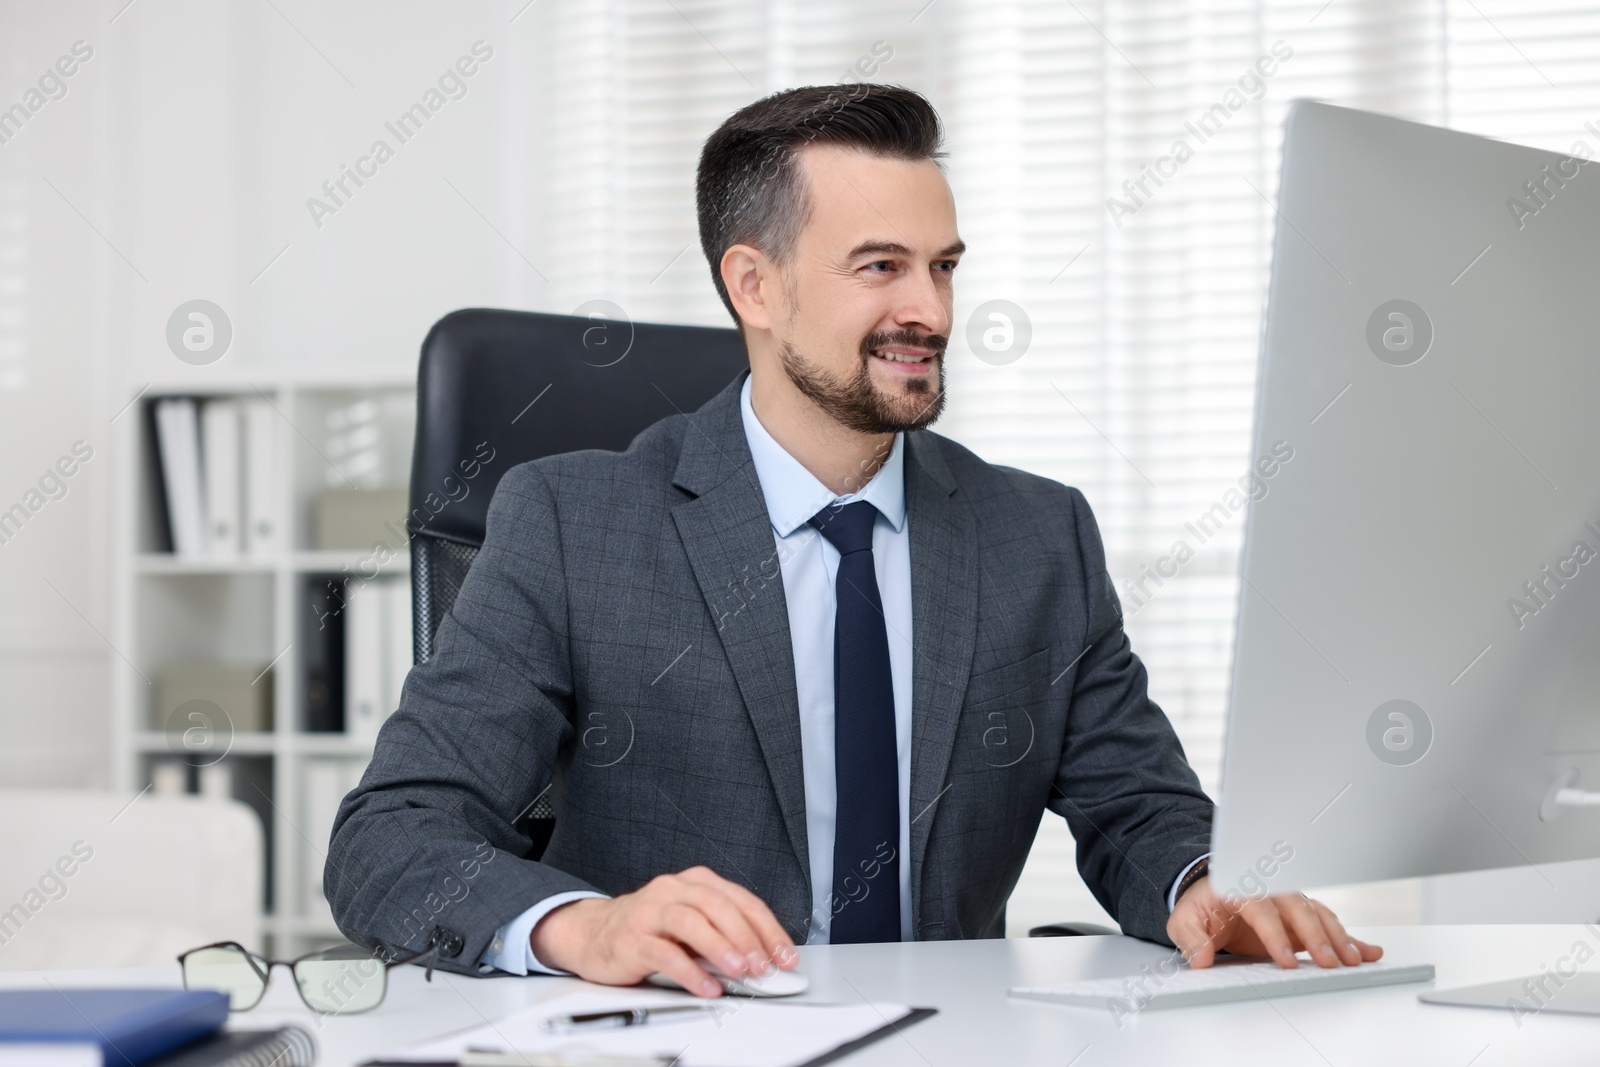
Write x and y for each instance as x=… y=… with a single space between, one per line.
x=432 y=952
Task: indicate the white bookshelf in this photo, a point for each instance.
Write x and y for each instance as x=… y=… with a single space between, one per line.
x=239 y=611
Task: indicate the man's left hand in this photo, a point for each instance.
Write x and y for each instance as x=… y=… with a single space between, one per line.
x=1203 y=924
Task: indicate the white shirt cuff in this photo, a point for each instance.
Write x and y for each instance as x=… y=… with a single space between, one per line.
x=1172 y=894
x=512 y=950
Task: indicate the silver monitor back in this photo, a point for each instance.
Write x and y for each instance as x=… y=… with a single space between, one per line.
x=1418 y=652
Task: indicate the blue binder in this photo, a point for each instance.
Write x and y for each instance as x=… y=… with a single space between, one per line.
x=130 y=1026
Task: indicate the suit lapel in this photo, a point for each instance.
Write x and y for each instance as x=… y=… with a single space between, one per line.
x=944 y=623
x=728 y=537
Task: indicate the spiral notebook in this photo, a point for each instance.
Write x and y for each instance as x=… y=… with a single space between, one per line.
x=288 y=1047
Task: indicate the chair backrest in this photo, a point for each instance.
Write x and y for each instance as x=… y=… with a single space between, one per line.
x=95 y=879
x=498 y=388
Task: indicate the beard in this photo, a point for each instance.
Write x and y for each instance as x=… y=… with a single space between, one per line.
x=858 y=404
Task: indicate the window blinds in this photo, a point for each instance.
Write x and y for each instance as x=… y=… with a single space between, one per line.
x=13 y=256
x=13 y=243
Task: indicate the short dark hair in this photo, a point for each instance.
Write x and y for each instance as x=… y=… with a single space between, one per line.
x=748 y=191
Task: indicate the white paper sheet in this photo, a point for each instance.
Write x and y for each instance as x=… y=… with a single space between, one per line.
x=739 y=1032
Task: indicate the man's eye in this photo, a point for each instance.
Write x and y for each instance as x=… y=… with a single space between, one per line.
x=881 y=263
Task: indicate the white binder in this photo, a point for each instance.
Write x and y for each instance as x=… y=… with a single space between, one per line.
x=262 y=536
x=220 y=461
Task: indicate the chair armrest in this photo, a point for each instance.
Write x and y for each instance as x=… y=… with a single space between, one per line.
x=1073 y=930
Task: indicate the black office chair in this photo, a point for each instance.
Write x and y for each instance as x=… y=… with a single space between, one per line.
x=519 y=385
x=526 y=385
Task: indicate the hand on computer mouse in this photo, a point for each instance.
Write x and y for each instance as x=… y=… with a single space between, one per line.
x=661 y=927
x=775 y=982
x=1276 y=927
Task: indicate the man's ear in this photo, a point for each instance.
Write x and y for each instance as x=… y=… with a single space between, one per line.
x=751 y=280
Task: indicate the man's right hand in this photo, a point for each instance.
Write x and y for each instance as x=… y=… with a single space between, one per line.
x=660 y=927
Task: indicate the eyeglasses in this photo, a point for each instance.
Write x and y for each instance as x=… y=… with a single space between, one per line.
x=336 y=981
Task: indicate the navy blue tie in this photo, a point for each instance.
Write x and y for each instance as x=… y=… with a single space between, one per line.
x=866 y=840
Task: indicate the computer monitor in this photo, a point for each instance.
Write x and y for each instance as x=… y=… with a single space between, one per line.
x=1417 y=669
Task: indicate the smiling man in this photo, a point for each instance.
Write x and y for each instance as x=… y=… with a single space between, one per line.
x=895 y=656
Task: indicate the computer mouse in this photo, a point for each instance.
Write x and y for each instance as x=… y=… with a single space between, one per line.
x=776 y=983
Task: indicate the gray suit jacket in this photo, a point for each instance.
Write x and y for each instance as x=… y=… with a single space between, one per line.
x=622 y=641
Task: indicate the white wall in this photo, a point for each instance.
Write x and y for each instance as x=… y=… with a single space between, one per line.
x=53 y=268
x=178 y=166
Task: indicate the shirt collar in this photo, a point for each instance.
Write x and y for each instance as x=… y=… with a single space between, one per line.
x=793 y=494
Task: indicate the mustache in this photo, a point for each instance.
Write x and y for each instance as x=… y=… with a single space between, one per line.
x=878 y=338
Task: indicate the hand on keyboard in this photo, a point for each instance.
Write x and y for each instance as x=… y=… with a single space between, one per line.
x=1204 y=923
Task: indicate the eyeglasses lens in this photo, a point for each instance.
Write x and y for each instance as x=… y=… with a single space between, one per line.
x=341 y=980
x=226 y=970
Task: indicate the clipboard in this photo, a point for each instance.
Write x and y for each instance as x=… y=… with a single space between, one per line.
x=908 y=1016
x=894 y=1026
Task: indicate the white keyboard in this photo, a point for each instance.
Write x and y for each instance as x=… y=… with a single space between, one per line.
x=1221 y=983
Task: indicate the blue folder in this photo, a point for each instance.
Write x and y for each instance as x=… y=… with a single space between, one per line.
x=130 y=1026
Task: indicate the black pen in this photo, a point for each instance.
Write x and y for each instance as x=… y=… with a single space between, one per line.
x=626 y=1017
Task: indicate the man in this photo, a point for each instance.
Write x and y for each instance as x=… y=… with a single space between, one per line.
x=848 y=663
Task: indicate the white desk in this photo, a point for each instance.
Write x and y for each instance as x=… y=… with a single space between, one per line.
x=978 y=1025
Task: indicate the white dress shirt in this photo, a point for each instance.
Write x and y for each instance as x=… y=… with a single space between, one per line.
x=810 y=564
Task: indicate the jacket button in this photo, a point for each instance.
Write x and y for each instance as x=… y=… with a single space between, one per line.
x=448 y=942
